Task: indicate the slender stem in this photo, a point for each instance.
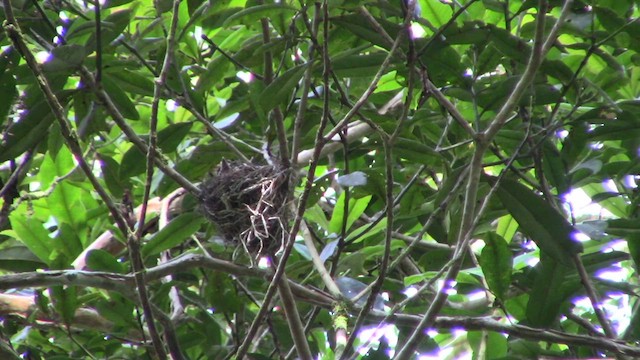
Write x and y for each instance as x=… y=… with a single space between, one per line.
x=96 y=6
x=293 y=319
x=306 y=86
x=482 y=141
x=71 y=139
x=593 y=297
x=384 y=264
x=117 y=117
x=268 y=78
x=319 y=144
x=317 y=262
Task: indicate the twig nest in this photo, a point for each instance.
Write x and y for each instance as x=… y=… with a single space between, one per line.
x=247 y=203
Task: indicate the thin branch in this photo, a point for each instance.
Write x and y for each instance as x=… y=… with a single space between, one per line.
x=134 y=242
x=319 y=144
x=268 y=79
x=384 y=265
x=293 y=319
x=96 y=6
x=71 y=139
x=317 y=262
x=87 y=318
x=230 y=58
x=537 y=55
x=593 y=297
x=482 y=141
x=115 y=114
x=306 y=85
x=523 y=332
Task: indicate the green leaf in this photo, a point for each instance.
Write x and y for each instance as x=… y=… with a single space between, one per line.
x=110 y=172
x=120 y=99
x=65 y=205
x=496 y=262
x=171 y=136
x=19 y=259
x=8 y=90
x=28 y=132
x=254 y=13
x=438 y=13
x=315 y=215
x=33 y=235
x=365 y=231
x=354 y=65
x=100 y=260
x=359 y=26
x=112 y=26
x=547 y=295
x=132 y=82
x=280 y=89
x=177 y=231
x=507 y=227
x=134 y=161
x=356 y=208
x=539 y=220
x=65 y=301
x=65 y=57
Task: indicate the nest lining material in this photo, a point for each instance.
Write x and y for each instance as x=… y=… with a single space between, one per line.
x=247 y=203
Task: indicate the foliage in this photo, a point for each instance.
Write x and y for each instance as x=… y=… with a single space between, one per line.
x=441 y=150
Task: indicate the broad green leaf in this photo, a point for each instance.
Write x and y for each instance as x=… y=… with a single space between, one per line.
x=64 y=203
x=100 y=260
x=8 y=90
x=65 y=57
x=496 y=262
x=112 y=26
x=177 y=231
x=359 y=26
x=437 y=12
x=554 y=168
x=110 y=170
x=280 y=89
x=365 y=231
x=217 y=70
x=616 y=205
x=134 y=161
x=356 y=208
x=540 y=221
x=170 y=137
x=120 y=99
x=65 y=301
x=33 y=235
x=27 y=133
x=260 y=11
x=19 y=259
x=355 y=65
x=315 y=215
x=507 y=227
x=547 y=295
x=414 y=150
x=132 y=82
x=55 y=166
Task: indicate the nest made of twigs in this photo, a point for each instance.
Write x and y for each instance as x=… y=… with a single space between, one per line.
x=247 y=203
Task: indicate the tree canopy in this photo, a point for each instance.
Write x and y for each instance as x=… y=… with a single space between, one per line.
x=338 y=179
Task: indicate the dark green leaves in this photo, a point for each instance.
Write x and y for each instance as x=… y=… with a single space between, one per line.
x=280 y=89
x=177 y=231
x=496 y=263
x=548 y=293
x=539 y=221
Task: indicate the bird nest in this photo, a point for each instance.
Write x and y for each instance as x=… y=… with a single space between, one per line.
x=247 y=203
